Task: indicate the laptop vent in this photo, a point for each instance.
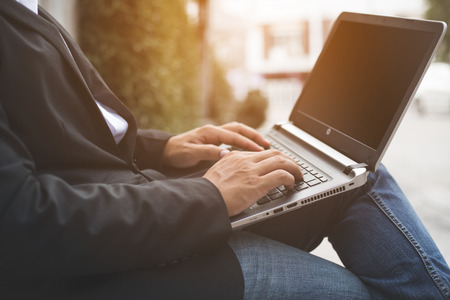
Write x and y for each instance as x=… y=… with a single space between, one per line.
x=323 y=195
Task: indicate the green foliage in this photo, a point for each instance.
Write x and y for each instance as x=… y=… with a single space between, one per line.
x=440 y=10
x=221 y=101
x=149 y=55
x=252 y=111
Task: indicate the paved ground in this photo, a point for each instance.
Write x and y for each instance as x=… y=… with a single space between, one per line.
x=419 y=152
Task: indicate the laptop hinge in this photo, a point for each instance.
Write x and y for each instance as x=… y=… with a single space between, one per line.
x=349 y=169
x=278 y=126
x=341 y=159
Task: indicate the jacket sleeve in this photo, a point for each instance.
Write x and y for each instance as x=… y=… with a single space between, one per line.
x=49 y=228
x=149 y=148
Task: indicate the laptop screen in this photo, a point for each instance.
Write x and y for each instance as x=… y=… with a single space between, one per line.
x=361 y=83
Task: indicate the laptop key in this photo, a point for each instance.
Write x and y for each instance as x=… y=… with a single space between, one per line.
x=314 y=182
x=278 y=195
x=272 y=192
x=308 y=168
x=301 y=186
x=263 y=200
x=308 y=177
x=311 y=176
x=283 y=189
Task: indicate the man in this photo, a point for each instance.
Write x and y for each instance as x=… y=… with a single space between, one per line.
x=86 y=212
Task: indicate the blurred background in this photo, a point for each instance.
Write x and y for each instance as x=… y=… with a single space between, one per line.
x=179 y=64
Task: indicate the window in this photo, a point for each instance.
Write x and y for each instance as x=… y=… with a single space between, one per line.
x=286 y=41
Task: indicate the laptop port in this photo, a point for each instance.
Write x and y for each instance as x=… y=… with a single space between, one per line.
x=275 y=211
x=292 y=205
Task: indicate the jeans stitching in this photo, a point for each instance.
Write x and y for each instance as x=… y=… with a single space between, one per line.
x=428 y=264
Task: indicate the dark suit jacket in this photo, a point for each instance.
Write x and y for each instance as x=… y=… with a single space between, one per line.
x=79 y=215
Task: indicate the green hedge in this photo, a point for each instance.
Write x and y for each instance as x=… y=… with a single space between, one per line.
x=440 y=10
x=148 y=53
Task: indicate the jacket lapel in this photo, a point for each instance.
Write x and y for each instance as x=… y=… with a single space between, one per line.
x=48 y=27
x=25 y=17
x=98 y=88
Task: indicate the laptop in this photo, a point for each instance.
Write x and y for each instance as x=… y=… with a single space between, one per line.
x=350 y=107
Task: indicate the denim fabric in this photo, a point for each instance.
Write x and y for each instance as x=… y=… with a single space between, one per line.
x=273 y=270
x=376 y=233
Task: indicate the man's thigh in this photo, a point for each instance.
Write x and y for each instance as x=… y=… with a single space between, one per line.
x=274 y=270
x=214 y=275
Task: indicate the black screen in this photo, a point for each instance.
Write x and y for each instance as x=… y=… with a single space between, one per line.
x=362 y=77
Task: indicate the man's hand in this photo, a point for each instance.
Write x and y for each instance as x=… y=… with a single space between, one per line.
x=241 y=177
x=188 y=149
x=245 y=177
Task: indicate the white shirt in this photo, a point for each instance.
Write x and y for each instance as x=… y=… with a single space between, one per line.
x=117 y=125
x=30 y=4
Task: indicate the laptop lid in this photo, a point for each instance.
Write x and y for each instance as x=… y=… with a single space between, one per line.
x=363 y=81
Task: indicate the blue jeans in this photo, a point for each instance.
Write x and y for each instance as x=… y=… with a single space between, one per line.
x=385 y=248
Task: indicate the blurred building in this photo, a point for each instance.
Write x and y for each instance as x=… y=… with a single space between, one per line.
x=272 y=45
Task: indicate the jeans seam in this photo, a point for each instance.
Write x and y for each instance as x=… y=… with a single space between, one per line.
x=424 y=257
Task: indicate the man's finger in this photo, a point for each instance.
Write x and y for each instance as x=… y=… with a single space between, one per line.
x=209 y=152
x=274 y=163
x=277 y=178
x=259 y=156
x=218 y=135
x=248 y=132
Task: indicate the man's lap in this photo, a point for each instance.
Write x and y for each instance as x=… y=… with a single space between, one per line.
x=370 y=227
x=214 y=275
x=273 y=270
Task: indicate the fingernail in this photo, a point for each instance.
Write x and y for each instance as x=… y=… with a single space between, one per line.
x=224 y=152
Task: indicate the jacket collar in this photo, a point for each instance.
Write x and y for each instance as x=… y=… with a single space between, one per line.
x=48 y=27
x=30 y=4
x=38 y=23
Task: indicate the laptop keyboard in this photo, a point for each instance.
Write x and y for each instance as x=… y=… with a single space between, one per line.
x=311 y=177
